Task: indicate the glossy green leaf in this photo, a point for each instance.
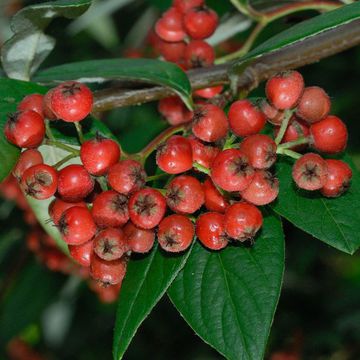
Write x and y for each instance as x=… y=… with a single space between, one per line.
x=333 y=221
x=229 y=297
x=147 y=279
x=23 y=53
x=144 y=70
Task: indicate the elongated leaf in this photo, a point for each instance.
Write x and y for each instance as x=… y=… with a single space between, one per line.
x=229 y=297
x=145 y=70
x=145 y=283
x=333 y=221
x=23 y=53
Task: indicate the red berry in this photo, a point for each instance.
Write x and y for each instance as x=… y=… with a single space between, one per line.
x=32 y=102
x=71 y=101
x=263 y=189
x=338 y=178
x=174 y=111
x=82 y=253
x=40 y=181
x=329 y=135
x=57 y=208
x=108 y=272
x=200 y=22
x=201 y=153
x=139 y=240
x=285 y=89
x=126 y=176
x=273 y=115
x=110 y=209
x=260 y=150
x=25 y=129
x=147 y=208
x=98 y=154
x=314 y=104
x=210 y=230
x=209 y=92
x=27 y=159
x=199 y=53
x=185 y=5
x=310 y=172
x=77 y=226
x=110 y=244
x=175 y=233
x=209 y=123
x=231 y=170
x=245 y=118
x=175 y=156
x=48 y=113
x=172 y=51
x=184 y=194
x=242 y=221
x=107 y=293
x=170 y=26
x=214 y=201
x=75 y=183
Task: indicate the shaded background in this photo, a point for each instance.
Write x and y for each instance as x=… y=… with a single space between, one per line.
x=319 y=310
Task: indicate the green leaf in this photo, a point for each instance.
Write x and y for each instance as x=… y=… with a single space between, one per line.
x=333 y=221
x=23 y=53
x=144 y=70
x=229 y=297
x=11 y=92
x=147 y=279
x=300 y=32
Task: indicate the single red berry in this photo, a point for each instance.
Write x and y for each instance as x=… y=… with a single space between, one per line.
x=338 y=178
x=209 y=92
x=174 y=111
x=214 y=200
x=263 y=189
x=170 y=26
x=40 y=181
x=210 y=230
x=77 y=226
x=27 y=159
x=139 y=240
x=47 y=111
x=231 y=170
x=209 y=123
x=273 y=115
x=245 y=118
x=199 y=53
x=201 y=153
x=329 y=135
x=175 y=156
x=242 y=221
x=185 y=5
x=175 y=233
x=172 y=51
x=184 y=194
x=32 y=102
x=98 y=154
x=108 y=272
x=75 y=183
x=82 y=253
x=71 y=101
x=110 y=209
x=110 y=244
x=146 y=208
x=310 y=172
x=126 y=176
x=200 y=22
x=25 y=129
x=57 y=208
x=107 y=293
x=285 y=89
x=260 y=150
x=314 y=105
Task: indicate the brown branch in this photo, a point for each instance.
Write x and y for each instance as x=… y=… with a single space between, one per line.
x=306 y=52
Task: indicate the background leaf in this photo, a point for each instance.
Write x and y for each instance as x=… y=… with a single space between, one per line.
x=333 y=221
x=23 y=53
x=146 y=281
x=144 y=70
x=229 y=297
